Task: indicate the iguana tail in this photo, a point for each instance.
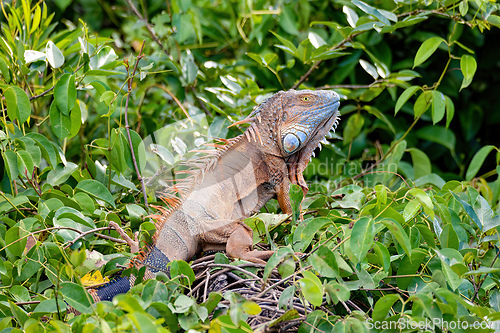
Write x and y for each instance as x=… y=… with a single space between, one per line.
x=152 y=258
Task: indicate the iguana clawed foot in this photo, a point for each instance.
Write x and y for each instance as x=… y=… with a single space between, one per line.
x=134 y=244
x=240 y=244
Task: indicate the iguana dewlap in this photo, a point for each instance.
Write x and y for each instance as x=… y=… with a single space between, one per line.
x=236 y=183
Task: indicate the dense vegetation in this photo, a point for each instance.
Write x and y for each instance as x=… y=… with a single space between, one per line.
x=401 y=223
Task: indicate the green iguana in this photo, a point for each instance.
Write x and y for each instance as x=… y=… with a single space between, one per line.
x=243 y=175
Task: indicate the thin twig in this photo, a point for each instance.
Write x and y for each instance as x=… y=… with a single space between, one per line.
x=317 y=63
x=127 y=126
x=67 y=228
x=148 y=26
x=50 y=89
x=202 y=104
x=481 y=283
x=175 y=99
x=83 y=234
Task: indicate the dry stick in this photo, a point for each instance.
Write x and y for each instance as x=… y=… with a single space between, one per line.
x=207 y=280
x=127 y=126
x=239 y=268
x=27 y=303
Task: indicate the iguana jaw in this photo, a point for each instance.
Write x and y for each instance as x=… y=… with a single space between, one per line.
x=298 y=162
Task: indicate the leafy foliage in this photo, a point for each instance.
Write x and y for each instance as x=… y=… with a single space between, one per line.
x=402 y=219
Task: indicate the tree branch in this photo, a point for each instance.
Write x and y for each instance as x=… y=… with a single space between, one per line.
x=127 y=126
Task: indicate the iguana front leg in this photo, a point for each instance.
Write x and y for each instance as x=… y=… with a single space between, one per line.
x=240 y=245
x=240 y=242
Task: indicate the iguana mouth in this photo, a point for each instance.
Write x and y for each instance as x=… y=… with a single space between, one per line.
x=298 y=162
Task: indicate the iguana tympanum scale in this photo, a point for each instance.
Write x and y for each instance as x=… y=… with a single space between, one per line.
x=236 y=182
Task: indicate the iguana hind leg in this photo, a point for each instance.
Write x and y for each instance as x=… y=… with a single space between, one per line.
x=240 y=244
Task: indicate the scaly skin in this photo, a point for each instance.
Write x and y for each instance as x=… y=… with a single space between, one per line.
x=251 y=169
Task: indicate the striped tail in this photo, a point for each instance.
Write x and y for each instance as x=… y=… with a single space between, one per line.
x=155 y=261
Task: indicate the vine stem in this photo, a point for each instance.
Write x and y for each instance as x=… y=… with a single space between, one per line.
x=127 y=126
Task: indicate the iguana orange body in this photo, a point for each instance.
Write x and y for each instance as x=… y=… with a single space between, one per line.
x=236 y=183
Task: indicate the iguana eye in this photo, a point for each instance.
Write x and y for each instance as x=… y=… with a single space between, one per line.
x=291 y=143
x=305 y=98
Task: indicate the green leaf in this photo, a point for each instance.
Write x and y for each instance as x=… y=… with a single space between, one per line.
x=353 y=127
x=383 y=255
x=494 y=20
x=362 y=236
x=469 y=210
x=421 y=163
x=371 y=11
x=464 y=7
x=468 y=66
x=76 y=296
x=76 y=120
x=403 y=98
x=60 y=123
x=10 y=160
x=424 y=199
x=304 y=51
x=54 y=55
x=427 y=49
x=383 y=306
x=96 y=189
x=65 y=93
x=369 y=68
x=438 y=134
x=50 y=306
x=337 y=292
x=449 y=258
x=251 y=308
x=4 y=70
x=288 y=20
x=180 y=267
x=411 y=209
x=351 y=16
x=61 y=173
x=422 y=103
x=275 y=260
x=296 y=196
x=287 y=45
x=450 y=110
x=310 y=230
x=19 y=314
x=311 y=290
x=324 y=262
x=46 y=147
x=107 y=97
x=448 y=238
x=438 y=106
x=18 y=104
x=25 y=164
x=477 y=161
x=398 y=233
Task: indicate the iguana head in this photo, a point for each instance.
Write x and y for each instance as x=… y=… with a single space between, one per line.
x=292 y=124
x=307 y=116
